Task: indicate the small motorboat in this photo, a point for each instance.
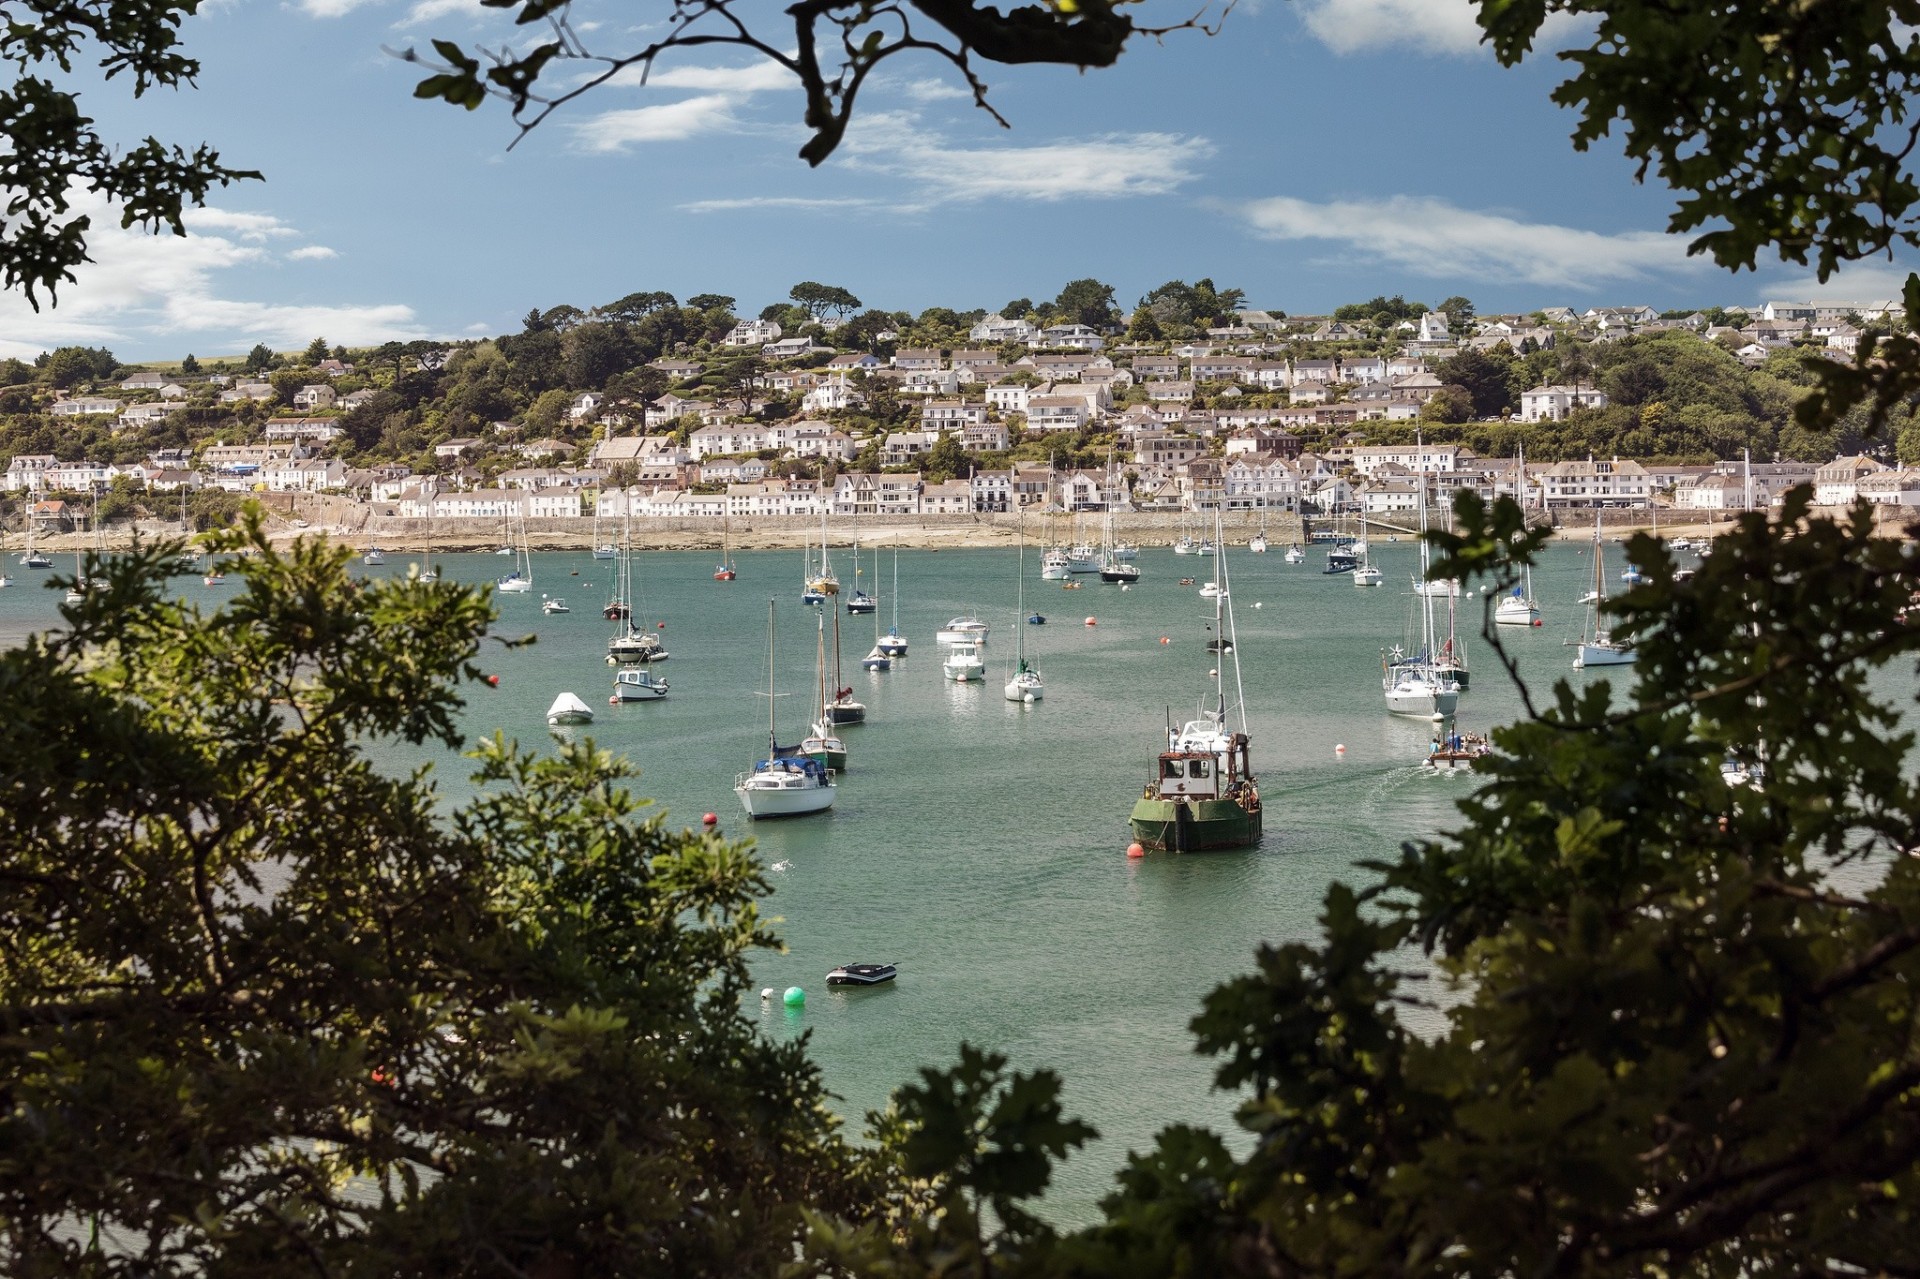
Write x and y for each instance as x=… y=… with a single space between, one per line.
x=504 y=550
x=549 y=605
x=1296 y=554
x=1070 y=586
x=860 y=602
x=214 y=579
x=862 y=975
x=1037 y=619
x=605 y=551
x=964 y=630
x=724 y=573
x=1219 y=646
x=963 y=664
x=373 y=556
x=1456 y=752
x=616 y=612
x=637 y=686
x=1186 y=581
x=1211 y=591
x=569 y=709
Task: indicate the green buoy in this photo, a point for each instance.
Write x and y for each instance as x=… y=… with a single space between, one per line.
x=795 y=997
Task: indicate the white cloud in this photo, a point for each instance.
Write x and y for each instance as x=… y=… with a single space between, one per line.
x=331 y=8
x=935 y=91
x=162 y=292
x=1426 y=26
x=762 y=76
x=780 y=202
x=1436 y=26
x=424 y=11
x=312 y=253
x=255 y=228
x=1112 y=165
x=1442 y=241
x=940 y=172
x=666 y=122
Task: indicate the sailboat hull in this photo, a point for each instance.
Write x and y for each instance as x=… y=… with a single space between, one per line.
x=1192 y=826
x=839 y=713
x=764 y=802
x=1601 y=655
x=1421 y=701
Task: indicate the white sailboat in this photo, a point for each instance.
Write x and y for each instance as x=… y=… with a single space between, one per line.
x=602 y=550
x=818 y=587
x=1024 y=684
x=1597 y=647
x=1518 y=607
x=1414 y=683
x=878 y=658
x=519 y=581
x=630 y=645
x=893 y=643
x=785 y=783
x=1258 y=542
x=859 y=601
x=1364 y=573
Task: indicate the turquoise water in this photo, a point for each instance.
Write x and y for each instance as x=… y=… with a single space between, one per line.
x=980 y=843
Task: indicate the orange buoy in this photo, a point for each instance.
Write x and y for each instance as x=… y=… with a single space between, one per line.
x=1538 y=622
x=710 y=820
x=613 y=700
x=1135 y=850
x=659 y=626
x=1165 y=640
x=493 y=681
x=1340 y=749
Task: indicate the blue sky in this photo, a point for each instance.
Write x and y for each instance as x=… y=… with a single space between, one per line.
x=1314 y=152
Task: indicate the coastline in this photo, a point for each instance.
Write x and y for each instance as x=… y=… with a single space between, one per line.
x=935 y=532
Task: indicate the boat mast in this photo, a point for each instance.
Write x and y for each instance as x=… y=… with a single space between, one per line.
x=773 y=738
x=1020 y=598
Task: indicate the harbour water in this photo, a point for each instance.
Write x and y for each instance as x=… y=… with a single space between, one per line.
x=979 y=843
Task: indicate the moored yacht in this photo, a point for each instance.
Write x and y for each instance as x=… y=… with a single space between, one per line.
x=784 y=784
x=1203 y=794
x=963 y=664
x=965 y=629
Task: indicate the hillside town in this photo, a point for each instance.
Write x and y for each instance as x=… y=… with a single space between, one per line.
x=1187 y=408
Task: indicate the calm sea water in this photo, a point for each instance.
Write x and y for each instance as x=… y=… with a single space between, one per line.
x=980 y=843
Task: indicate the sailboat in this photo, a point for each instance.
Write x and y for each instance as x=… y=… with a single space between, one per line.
x=1415 y=684
x=784 y=784
x=77 y=593
x=1364 y=573
x=1054 y=564
x=1597 y=647
x=1296 y=554
x=1081 y=557
x=725 y=573
x=519 y=581
x=1258 y=542
x=1114 y=568
x=374 y=556
x=1025 y=684
x=1203 y=794
x=823 y=744
x=893 y=643
x=630 y=646
x=1631 y=574
x=822 y=585
x=5 y=581
x=877 y=658
x=569 y=709
x=1518 y=607
x=33 y=558
x=843 y=709
x=859 y=601
x=602 y=550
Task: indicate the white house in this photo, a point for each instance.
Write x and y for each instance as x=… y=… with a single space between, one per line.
x=997 y=328
x=752 y=333
x=1427 y=458
x=1596 y=483
x=85 y=406
x=1057 y=413
x=724 y=438
x=1067 y=337
x=1554 y=403
x=1009 y=397
x=307 y=476
x=1838 y=482
x=247 y=391
x=310 y=398
x=1892 y=488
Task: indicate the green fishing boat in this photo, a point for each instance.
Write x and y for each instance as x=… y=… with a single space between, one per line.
x=1203 y=794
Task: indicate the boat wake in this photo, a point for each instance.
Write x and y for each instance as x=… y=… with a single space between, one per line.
x=781 y=866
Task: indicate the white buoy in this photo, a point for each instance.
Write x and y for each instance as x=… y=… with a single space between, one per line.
x=1438 y=718
x=766 y=992
x=1257 y=604
x=1028 y=699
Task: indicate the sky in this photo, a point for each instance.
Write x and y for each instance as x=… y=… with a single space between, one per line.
x=1313 y=152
